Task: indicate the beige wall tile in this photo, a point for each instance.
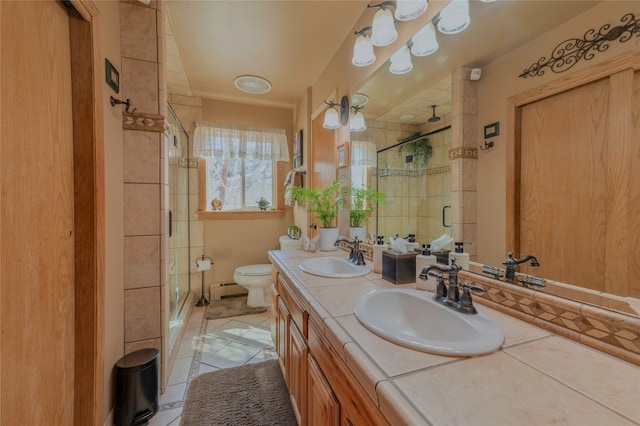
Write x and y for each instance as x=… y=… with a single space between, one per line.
x=143 y=344
x=138 y=32
x=140 y=84
x=142 y=314
x=141 y=262
x=141 y=156
x=142 y=204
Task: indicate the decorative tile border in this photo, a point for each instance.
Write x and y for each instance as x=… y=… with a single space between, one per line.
x=611 y=332
x=144 y=122
x=463 y=152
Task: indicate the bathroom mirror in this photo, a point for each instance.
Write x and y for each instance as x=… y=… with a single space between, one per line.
x=394 y=96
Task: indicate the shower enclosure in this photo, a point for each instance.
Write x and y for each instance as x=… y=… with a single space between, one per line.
x=420 y=192
x=178 y=257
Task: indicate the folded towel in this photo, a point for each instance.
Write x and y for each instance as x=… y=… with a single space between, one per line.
x=293 y=178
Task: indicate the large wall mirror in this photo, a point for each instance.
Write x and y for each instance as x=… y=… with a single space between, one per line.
x=397 y=109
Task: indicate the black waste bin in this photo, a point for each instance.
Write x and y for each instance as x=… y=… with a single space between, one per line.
x=136 y=388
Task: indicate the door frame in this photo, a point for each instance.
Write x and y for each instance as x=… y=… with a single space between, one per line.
x=89 y=208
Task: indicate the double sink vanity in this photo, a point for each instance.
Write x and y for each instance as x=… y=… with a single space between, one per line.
x=405 y=359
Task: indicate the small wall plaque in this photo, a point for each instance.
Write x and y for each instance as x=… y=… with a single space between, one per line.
x=112 y=76
x=492 y=130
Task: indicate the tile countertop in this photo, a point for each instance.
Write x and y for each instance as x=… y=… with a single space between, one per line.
x=537 y=378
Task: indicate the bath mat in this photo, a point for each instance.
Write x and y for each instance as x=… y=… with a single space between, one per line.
x=249 y=395
x=230 y=307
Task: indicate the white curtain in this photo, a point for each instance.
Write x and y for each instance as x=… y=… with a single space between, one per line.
x=363 y=154
x=234 y=141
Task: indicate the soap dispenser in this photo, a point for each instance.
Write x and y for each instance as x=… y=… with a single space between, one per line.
x=424 y=259
x=461 y=257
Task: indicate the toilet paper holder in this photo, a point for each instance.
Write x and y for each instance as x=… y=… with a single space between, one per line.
x=203 y=263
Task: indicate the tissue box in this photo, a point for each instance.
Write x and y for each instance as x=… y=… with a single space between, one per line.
x=399 y=268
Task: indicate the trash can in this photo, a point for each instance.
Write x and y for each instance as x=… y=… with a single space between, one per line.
x=136 y=388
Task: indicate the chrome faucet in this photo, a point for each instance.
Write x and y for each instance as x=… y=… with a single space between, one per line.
x=449 y=295
x=511 y=264
x=356 y=255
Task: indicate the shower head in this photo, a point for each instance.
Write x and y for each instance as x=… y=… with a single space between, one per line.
x=434 y=118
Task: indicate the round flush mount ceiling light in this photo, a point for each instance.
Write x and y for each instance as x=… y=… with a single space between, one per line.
x=252 y=84
x=407 y=117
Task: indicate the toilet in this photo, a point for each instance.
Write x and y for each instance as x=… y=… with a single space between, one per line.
x=256 y=279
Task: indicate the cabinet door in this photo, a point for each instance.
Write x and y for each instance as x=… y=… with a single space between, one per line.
x=298 y=351
x=274 y=316
x=283 y=338
x=322 y=405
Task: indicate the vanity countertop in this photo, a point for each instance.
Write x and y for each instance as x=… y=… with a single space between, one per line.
x=536 y=378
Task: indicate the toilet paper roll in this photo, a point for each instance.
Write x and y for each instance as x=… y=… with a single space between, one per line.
x=203 y=265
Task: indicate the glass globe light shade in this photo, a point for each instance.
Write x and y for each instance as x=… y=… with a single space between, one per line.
x=454 y=18
x=331 y=120
x=401 y=61
x=363 y=52
x=383 y=29
x=407 y=10
x=357 y=123
x=424 y=41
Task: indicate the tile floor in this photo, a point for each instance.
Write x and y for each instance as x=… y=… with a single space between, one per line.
x=210 y=345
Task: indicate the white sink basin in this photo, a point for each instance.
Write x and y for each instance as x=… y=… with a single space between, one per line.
x=333 y=267
x=411 y=318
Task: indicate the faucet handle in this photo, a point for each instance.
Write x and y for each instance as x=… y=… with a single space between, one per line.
x=473 y=287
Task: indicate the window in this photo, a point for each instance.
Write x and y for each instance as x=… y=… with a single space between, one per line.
x=240 y=163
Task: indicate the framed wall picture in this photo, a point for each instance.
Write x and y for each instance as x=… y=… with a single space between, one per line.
x=492 y=130
x=297 y=149
x=112 y=76
x=343 y=155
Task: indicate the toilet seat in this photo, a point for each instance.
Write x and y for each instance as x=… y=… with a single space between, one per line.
x=254 y=270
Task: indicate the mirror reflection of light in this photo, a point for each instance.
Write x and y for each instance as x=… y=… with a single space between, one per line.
x=424 y=41
x=407 y=10
x=401 y=61
x=454 y=18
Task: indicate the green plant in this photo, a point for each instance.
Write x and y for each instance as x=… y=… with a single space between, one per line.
x=419 y=148
x=363 y=202
x=324 y=203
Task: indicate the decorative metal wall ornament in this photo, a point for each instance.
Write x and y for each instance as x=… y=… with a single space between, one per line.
x=570 y=52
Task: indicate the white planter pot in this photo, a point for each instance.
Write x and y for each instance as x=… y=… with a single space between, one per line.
x=328 y=237
x=357 y=231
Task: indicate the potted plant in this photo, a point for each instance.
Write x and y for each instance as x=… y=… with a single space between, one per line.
x=363 y=202
x=325 y=204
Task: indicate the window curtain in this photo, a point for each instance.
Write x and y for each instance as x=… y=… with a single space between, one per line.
x=363 y=154
x=234 y=141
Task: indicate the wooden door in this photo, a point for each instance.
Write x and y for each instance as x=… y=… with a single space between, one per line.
x=564 y=184
x=37 y=216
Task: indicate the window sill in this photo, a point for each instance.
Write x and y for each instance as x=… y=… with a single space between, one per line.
x=240 y=215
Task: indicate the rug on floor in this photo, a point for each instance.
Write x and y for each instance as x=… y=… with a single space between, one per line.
x=249 y=395
x=230 y=307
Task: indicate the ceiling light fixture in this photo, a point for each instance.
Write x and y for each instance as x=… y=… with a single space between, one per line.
x=363 y=49
x=407 y=10
x=332 y=118
x=383 y=29
x=454 y=18
x=357 y=123
x=424 y=42
x=401 y=61
x=252 y=84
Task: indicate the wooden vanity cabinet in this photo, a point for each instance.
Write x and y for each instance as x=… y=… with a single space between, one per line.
x=323 y=391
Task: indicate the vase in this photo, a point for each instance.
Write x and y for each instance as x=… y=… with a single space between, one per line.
x=328 y=237
x=357 y=231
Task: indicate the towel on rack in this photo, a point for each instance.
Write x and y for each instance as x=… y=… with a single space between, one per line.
x=293 y=178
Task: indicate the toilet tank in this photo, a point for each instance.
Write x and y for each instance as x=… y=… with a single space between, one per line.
x=288 y=243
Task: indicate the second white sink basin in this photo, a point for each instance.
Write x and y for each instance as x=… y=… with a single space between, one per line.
x=333 y=267
x=411 y=318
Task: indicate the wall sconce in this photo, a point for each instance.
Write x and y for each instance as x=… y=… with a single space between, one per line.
x=357 y=123
x=401 y=61
x=363 y=49
x=454 y=18
x=383 y=29
x=407 y=10
x=333 y=119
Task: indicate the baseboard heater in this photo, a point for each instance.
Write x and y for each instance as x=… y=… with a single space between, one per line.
x=222 y=290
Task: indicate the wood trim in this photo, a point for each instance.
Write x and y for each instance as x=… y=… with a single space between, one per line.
x=240 y=215
x=602 y=70
x=202 y=185
x=1 y=174
x=513 y=176
x=89 y=213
